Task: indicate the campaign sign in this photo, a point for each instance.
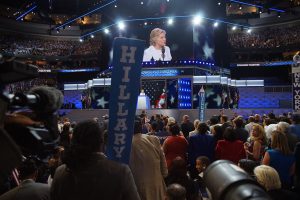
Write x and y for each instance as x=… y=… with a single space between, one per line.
x=201 y=104
x=126 y=73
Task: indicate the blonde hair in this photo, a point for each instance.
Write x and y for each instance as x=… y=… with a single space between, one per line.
x=283 y=127
x=261 y=134
x=154 y=34
x=279 y=142
x=267 y=177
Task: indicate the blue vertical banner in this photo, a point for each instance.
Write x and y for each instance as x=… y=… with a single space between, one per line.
x=201 y=104
x=126 y=73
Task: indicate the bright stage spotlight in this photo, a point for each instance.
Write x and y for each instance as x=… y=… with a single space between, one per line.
x=92 y=36
x=233 y=28
x=170 y=21
x=106 y=31
x=121 y=25
x=249 y=31
x=216 y=24
x=197 y=20
x=80 y=40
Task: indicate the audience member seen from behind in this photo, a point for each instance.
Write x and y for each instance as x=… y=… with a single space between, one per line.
x=87 y=173
x=291 y=138
x=230 y=148
x=28 y=188
x=202 y=144
x=178 y=174
x=268 y=177
x=281 y=158
x=186 y=126
x=175 y=192
x=248 y=166
x=195 y=131
x=241 y=133
x=256 y=147
x=148 y=164
x=175 y=145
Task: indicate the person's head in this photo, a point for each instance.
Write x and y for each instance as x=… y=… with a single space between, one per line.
x=178 y=167
x=229 y=134
x=279 y=142
x=214 y=120
x=176 y=192
x=223 y=119
x=174 y=129
x=296 y=118
x=251 y=119
x=267 y=177
x=283 y=127
x=196 y=123
x=28 y=169
x=202 y=162
x=137 y=125
x=158 y=37
x=154 y=126
x=257 y=118
x=217 y=132
x=202 y=128
x=258 y=133
x=87 y=139
x=238 y=122
x=248 y=165
x=185 y=118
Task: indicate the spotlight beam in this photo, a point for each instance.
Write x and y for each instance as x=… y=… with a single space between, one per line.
x=164 y=17
x=26 y=12
x=85 y=14
x=258 y=6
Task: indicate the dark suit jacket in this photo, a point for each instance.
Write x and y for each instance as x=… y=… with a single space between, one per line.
x=28 y=190
x=100 y=179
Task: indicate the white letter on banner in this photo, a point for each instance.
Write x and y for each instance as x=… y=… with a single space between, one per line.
x=119 y=138
x=121 y=124
x=118 y=151
x=126 y=54
x=122 y=113
x=126 y=79
x=122 y=91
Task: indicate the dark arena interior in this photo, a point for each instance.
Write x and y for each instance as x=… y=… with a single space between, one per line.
x=150 y=99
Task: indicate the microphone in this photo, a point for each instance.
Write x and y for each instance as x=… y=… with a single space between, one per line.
x=163 y=50
x=48 y=99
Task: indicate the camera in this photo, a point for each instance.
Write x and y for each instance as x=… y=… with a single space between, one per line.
x=28 y=122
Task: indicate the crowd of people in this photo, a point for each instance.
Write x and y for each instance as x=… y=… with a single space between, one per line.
x=168 y=158
x=266 y=38
x=21 y=45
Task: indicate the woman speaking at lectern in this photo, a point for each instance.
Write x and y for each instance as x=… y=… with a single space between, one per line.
x=158 y=49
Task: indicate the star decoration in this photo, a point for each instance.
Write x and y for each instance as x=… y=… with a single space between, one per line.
x=208 y=52
x=102 y=102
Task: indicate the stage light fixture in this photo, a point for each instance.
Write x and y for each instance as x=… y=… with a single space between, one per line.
x=170 y=21
x=145 y=23
x=92 y=36
x=240 y=6
x=121 y=25
x=197 y=20
x=260 y=10
x=69 y=26
x=106 y=31
x=219 y=3
x=249 y=31
x=142 y=3
x=216 y=24
x=57 y=30
x=233 y=28
x=116 y=6
x=80 y=40
x=278 y=14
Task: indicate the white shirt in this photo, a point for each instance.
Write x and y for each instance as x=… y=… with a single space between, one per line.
x=156 y=54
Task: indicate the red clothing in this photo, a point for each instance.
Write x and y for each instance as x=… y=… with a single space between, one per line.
x=227 y=150
x=175 y=146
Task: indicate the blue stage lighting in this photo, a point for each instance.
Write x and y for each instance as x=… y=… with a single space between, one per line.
x=26 y=12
